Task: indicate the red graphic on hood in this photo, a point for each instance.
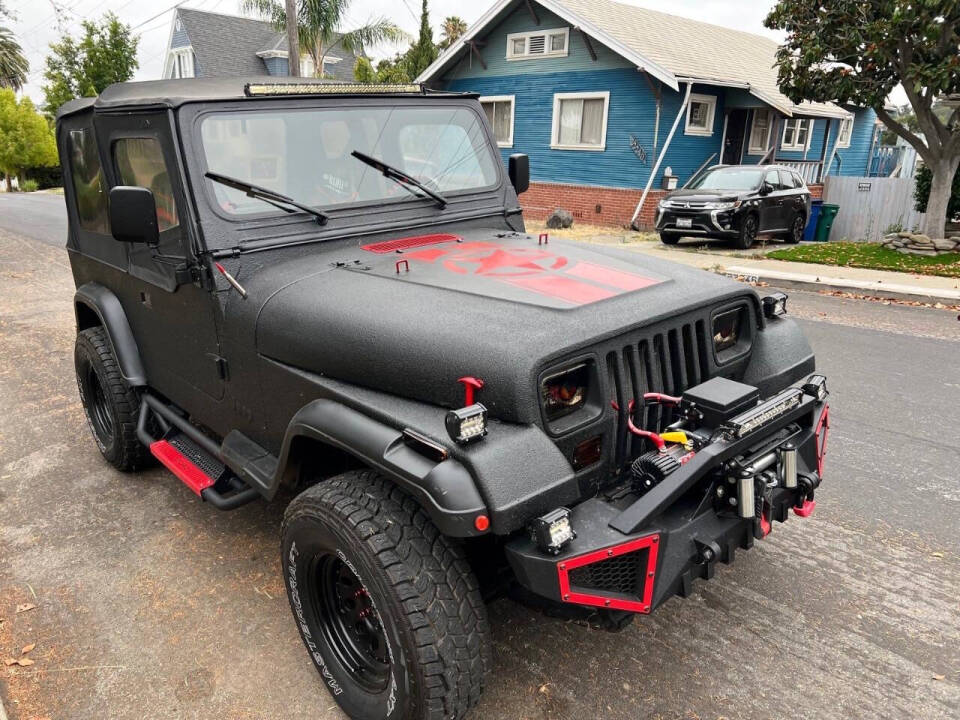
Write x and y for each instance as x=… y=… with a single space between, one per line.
x=537 y=270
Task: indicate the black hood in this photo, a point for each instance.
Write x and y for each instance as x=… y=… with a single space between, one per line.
x=707 y=195
x=493 y=305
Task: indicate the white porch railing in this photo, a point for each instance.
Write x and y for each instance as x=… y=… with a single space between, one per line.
x=809 y=170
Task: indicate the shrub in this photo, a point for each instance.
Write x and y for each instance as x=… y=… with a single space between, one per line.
x=30 y=186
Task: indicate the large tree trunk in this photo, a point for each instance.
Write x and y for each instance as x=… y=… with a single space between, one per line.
x=941 y=185
x=293 y=40
x=9 y=182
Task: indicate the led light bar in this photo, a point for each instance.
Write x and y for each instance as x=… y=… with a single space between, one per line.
x=467 y=424
x=552 y=531
x=329 y=88
x=816 y=386
x=764 y=413
x=775 y=305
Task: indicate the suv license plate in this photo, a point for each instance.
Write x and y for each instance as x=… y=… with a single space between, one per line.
x=684 y=222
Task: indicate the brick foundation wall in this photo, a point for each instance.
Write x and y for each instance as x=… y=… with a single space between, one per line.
x=616 y=204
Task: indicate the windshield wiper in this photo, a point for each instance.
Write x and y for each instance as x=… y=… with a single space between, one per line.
x=401 y=177
x=279 y=200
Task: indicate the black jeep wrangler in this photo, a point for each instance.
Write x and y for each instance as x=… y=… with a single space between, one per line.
x=327 y=291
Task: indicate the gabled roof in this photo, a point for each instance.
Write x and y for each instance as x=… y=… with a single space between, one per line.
x=671 y=48
x=232 y=46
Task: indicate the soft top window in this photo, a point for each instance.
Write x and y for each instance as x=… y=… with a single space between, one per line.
x=88 y=183
x=140 y=162
x=306 y=153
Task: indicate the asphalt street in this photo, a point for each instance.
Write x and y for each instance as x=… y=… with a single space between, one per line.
x=147 y=603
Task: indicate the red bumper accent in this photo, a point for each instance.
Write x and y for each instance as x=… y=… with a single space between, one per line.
x=823 y=428
x=805 y=510
x=612 y=601
x=389 y=246
x=180 y=465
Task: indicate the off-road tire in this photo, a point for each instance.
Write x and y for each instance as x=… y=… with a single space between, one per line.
x=669 y=238
x=795 y=234
x=416 y=585
x=748 y=232
x=112 y=407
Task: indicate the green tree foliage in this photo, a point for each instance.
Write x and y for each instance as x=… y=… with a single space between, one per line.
x=26 y=139
x=453 y=28
x=320 y=27
x=921 y=192
x=13 y=63
x=423 y=52
x=856 y=52
x=393 y=71
x=106 y=54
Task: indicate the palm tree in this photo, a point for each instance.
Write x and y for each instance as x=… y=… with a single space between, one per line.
x=319 y=27
x=13 y=64
x=453 y=28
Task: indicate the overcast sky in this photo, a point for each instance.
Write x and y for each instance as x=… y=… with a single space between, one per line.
x=38 y=23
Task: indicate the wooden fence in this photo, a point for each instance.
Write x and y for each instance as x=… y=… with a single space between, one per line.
x=869 y=206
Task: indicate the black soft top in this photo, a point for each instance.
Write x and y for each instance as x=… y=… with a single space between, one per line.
x=174 y=93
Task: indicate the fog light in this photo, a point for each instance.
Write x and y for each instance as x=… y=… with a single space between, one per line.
x=552 y=531
x=467 y=424
x=775 y=305
x=816 y=386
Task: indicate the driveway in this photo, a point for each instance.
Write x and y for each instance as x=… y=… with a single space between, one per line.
x=149 y=603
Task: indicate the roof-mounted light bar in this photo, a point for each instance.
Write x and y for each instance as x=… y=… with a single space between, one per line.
x=315 y=88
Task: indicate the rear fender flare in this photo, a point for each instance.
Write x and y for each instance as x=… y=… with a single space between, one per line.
x=94 y=305
x=444 y=489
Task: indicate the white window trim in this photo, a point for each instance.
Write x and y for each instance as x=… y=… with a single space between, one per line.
x=187 y=54
x=555 y=135
x=546 y=47
x=711 y=101
x=840 y=143
x=760 y=149
x=513 y=105
x=797 y=146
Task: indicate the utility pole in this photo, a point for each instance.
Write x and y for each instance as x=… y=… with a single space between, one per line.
x=293 y=41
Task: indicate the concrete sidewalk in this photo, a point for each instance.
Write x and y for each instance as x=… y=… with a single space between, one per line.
x=805 y=276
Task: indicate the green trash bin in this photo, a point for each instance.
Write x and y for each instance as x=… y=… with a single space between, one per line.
x=827 y=213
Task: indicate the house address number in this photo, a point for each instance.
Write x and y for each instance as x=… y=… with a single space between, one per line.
x=864 y=187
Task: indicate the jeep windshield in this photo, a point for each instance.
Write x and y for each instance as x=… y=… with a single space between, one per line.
x=306 y=154
x=734 y=178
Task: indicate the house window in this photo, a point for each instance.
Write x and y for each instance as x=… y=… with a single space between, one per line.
x=538 y=44
x=846 y=130
x=580 y=121
x=796 y=134
x=181 y=63
x=760 y=132
x=499 y=111
x=700 y=112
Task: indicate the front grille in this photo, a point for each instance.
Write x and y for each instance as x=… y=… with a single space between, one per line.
x=617 y=574
x=667 y=362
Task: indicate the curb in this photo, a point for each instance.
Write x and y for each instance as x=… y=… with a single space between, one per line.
x=893 y=291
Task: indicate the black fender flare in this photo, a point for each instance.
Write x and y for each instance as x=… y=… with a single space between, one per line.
x=94 y=297
x=444 y=489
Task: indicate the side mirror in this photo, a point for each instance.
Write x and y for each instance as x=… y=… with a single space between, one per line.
x=518 y=168
x=766 y=188
x=133 y=215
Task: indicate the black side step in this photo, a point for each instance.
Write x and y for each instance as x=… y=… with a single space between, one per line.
x=193 y=457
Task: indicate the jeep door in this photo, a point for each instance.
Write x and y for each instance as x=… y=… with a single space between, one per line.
x=172 y=315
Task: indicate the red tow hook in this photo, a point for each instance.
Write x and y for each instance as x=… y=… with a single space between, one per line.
x=805 y=510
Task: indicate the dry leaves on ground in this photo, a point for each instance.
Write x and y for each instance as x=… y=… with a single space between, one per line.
x=28 y=648
x=25 y=607
x=22 y=662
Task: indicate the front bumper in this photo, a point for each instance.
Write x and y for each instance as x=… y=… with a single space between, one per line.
x=709 y=223
x=633 y=553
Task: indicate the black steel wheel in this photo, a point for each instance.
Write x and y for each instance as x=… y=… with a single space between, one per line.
x=111 y=406
x=669 y=238
x=748 y=232
x=796 y=229
x=387 y=607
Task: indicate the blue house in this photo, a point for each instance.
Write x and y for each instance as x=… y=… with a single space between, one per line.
x=611 y=100
x=206 y=44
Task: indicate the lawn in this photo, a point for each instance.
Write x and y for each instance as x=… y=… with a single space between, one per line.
x=872 y=256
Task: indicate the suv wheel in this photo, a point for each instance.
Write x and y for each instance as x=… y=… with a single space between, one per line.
x=111 y=406
x=748 y=233
x=796 y=229
x=669 y=239
x=387 y=607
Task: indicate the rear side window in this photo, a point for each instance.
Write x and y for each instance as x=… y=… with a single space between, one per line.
x=88 y=183
x=773 y=178
x=140 y=162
